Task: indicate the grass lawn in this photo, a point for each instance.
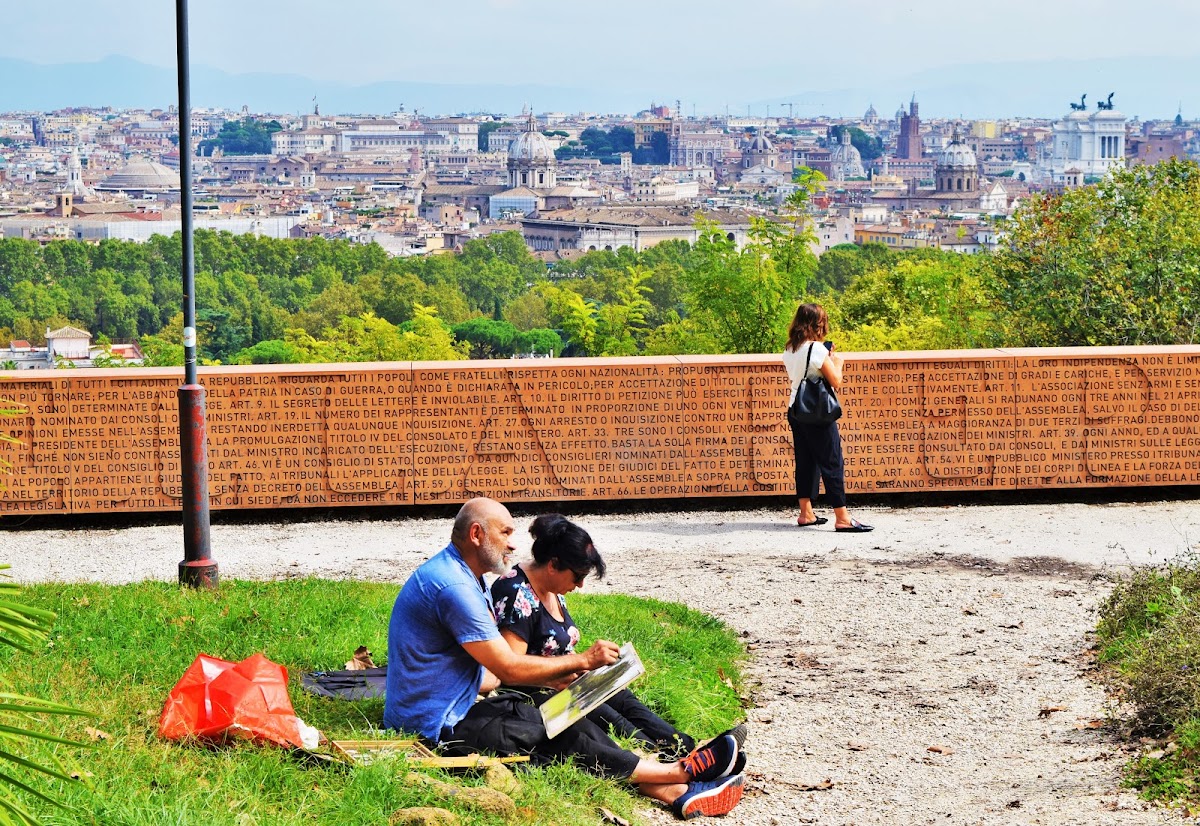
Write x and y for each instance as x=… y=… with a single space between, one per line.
x=117 y=651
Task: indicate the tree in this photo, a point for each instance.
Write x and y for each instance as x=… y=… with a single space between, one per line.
x=574 y=315
x=934 y=301
x=486 y=128
x=488 y=338
x=244 y=137
x=428 y=339
x=748 y=298
x=621 y=319
x=1111 y=264
x=839 y=266
x=275 y=351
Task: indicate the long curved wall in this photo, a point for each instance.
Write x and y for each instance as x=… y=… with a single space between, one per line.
x=409 y=433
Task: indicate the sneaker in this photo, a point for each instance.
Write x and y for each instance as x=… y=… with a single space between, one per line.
x=738 y=733
x=709 y=799
x=715 y=760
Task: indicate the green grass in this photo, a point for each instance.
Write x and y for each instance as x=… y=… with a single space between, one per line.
x=117 y=651
x=1149 y=641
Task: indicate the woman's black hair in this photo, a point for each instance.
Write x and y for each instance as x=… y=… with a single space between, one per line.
x=559 y=540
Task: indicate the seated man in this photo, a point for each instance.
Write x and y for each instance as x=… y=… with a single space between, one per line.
x=443 y=642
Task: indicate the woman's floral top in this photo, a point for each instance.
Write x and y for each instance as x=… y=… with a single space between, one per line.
x=519 y=610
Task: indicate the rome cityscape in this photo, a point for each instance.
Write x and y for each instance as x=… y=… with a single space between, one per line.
x=868 y=170
x=547 y=254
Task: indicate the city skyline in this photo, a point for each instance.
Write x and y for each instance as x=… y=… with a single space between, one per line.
x=957 y=59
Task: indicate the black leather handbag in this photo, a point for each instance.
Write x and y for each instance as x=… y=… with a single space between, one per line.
x=815 y=403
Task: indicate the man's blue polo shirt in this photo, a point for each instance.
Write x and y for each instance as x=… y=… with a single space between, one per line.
x=431 y=680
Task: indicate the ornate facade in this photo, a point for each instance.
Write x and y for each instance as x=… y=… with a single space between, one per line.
x=957 y=169
x=845 y=161
x=531 y=161
x=1088 y=143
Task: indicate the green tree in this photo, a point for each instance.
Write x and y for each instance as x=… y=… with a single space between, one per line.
x=748 y=298
x=1116 y=263
x=839 y=266
x=935 y=301
x=575 y=316
x=488 y=338
x=621 y=319
x=244 y=137
x=486 y=128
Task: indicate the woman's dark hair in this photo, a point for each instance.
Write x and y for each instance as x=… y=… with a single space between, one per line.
x=559 y=540
x=809 y=324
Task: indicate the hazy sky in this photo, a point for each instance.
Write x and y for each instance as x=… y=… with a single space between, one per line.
x=696 y=49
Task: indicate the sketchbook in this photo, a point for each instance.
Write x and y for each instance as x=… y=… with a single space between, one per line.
x=590 y=691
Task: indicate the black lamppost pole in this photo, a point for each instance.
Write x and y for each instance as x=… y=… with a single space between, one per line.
x=198 y=569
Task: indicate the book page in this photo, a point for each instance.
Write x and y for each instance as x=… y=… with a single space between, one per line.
x=590 y=691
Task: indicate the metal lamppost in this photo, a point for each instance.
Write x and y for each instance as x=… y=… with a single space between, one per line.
x=198 y=569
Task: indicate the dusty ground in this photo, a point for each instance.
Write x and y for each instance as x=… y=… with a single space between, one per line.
x=960 y=629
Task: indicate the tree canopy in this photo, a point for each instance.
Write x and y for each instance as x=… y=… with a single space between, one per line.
x=1116 y=263
x=242 y=137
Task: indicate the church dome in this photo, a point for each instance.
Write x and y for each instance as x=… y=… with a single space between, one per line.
x=845 y=160
x=531 y=147
x=871 y=113
x=760 y=143
x=141 y=175
x=957 y=155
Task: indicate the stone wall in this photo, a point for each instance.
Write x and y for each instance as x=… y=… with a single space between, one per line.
x=598 y=429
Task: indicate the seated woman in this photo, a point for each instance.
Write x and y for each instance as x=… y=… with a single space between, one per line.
x=533 y=618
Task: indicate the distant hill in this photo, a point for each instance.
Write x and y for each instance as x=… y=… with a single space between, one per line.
x=121 y=82
x=1150 y=88
x=1147 y=87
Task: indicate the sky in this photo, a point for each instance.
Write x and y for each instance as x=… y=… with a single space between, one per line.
x=695 y=51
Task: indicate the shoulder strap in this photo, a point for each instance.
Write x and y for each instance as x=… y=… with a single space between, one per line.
x=807 y=361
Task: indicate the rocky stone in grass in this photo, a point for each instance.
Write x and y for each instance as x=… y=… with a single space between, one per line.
x=423 y=816
x=478 y=798
x=499 y=777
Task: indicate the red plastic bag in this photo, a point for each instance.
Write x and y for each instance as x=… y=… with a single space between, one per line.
x=216 y=698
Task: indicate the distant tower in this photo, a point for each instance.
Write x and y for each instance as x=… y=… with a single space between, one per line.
x=75 y=174
x=908 y=143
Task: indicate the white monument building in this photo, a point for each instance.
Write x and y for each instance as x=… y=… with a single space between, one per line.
x=1088 y=143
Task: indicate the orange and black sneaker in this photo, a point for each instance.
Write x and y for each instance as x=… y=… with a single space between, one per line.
x=717 y=759
x=710 y=799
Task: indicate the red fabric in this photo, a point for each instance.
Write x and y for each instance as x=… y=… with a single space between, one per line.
x=247 y=699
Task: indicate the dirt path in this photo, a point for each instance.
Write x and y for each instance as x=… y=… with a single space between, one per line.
x=959 y=629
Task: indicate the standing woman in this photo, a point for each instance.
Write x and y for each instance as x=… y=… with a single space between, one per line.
x=818 y=446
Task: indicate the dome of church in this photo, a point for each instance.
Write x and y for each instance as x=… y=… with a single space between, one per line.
x=871 y=113
x=760 y=143
x=141 y=175
x=531 y=147
x=957 y=155
x=845 y=160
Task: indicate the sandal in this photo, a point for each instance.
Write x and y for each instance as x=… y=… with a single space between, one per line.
x=855 y=527
x=820 y=520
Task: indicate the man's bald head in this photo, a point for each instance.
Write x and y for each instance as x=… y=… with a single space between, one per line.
x=478 y=511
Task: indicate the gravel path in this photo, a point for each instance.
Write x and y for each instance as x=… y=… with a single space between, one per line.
x=932 y=672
